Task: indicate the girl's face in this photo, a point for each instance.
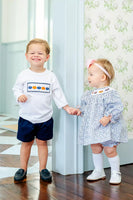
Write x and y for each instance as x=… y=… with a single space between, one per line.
x=36 y=55
x=96 y=77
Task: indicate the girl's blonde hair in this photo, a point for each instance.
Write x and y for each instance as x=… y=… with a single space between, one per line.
x=39 y=41
x=106 y=64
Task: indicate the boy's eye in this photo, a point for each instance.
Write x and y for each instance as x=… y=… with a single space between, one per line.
x=40 y=53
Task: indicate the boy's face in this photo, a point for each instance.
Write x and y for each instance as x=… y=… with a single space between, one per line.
x=36 y=55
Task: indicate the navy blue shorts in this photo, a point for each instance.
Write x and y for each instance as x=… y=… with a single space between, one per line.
x=27 y=131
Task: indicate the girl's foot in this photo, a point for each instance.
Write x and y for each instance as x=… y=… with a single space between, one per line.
x=96 y=175
x=115 y=178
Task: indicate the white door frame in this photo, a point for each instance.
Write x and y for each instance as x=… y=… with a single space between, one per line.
x=68 y=51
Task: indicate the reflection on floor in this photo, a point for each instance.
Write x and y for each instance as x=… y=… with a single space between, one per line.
x=10 y=148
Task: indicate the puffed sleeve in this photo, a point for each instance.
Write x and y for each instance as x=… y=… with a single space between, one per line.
x=83 y=103
x=113 y=106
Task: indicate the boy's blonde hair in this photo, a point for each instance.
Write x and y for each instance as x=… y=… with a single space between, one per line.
x=39 y=41
x=106 y=64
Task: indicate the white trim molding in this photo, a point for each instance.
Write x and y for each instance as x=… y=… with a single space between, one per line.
x=68 y=44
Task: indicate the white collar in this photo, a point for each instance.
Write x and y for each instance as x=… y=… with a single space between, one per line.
x=101 y=90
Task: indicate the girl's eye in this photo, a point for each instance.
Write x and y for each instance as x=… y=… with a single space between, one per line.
x=40 y=53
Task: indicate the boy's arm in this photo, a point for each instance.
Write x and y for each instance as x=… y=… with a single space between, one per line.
x=60 y=100
x=23 y=98
x=17 y=89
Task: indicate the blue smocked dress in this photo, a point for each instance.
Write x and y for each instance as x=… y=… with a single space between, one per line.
x=95 y=105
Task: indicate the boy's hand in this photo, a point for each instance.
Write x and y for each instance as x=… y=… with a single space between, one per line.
x=76 y=111
x=23 y=98
x=72 y=111
x=105 y=120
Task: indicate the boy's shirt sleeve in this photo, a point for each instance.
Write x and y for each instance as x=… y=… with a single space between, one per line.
x=113 y=106
x=18 y=86
x=57 y=93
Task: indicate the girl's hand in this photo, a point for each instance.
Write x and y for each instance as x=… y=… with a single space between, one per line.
x=23 y=98
x=72 y=111
x=76 y=111
x=105 y=120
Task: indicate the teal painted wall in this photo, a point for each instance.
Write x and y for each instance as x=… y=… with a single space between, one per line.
x=12 y=61
x=0 y=82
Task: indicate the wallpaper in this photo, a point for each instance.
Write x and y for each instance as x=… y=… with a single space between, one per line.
x=108 y=33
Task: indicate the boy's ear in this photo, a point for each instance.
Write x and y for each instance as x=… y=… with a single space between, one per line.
x=48 y=56
x=26 y=55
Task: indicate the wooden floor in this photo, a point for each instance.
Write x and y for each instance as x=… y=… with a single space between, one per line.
x=71 y=187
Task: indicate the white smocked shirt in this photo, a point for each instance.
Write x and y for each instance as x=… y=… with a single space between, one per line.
x=40 y=88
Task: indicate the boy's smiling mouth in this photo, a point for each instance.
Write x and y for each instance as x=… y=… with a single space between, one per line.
x=36 y=59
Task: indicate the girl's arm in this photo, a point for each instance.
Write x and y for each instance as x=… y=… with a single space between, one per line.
x=113 y=108
x=105 y=120
x=83 y=103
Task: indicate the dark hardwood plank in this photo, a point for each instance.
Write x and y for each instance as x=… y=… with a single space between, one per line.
x=70 y=187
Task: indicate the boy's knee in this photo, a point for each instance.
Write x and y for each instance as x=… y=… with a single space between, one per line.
x=41 y=142
x=27 y=144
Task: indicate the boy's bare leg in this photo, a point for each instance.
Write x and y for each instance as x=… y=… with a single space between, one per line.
x=25 y=154
x=42 y=153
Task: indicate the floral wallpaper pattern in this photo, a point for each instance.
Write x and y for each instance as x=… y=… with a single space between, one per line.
x=108 y=33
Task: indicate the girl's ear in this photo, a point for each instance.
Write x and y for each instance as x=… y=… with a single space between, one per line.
x=104 y=77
